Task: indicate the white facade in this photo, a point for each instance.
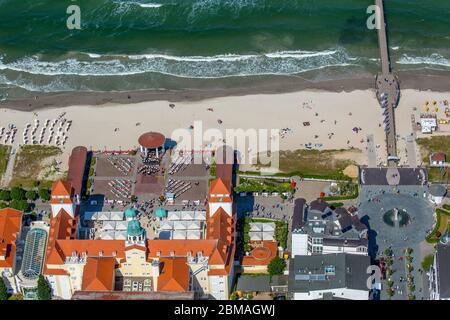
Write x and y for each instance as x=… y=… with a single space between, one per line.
x=218 y=287
x=342 y=293
x=68 y=207
x=299 y=244
x=226 y=206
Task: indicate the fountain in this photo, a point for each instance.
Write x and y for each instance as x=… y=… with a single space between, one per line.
x=396 y=218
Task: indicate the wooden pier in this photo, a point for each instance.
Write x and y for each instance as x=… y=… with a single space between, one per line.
x=387 y=86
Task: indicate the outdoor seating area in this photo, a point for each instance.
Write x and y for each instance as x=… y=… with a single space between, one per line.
x=124 y=165
x=56 y=135
x=178 y=187
x=7 y=135
x=180 y=163
x=182 y=225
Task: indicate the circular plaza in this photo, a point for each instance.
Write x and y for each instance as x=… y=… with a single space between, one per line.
x=396 y=219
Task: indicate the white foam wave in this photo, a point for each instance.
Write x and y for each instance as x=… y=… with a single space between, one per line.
x=150 y=5
x=220 y=66
x=433 y=59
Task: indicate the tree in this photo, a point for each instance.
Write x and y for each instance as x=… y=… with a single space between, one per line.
x=3 y=289
x=31 y=195
x=276 y=266
x=21 y=205
x=17 y=193
x=3 y=205
x=5 y=195
x=44 y=292
x=44 y=194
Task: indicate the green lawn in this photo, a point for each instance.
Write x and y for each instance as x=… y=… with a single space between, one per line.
x=30 y=161
x=434 y=144
x=4 y=156
x=313 y=163
x=262 y=185
x=442 y=226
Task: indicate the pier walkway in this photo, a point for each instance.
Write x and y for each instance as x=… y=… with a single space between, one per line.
x=388 y=90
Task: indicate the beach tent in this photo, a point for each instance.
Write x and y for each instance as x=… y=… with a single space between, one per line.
x=107 y=235
x=104 y=215
x=256 y=226
x=270 y=226
x=166 y=225
x=120 y=235
x=193 y=225
x=267 y=236
x=255 y=236
x=187 y=215
x=121 y=225
x=193 y=234
x=173 y=215
x=109 y=225
x=178 y=234
x=200 y=215
x=179 y=225
x=117 y=215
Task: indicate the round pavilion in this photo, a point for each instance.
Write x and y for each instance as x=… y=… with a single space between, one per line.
x=152 y=141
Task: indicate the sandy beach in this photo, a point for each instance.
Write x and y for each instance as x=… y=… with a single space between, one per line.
x=331 y=116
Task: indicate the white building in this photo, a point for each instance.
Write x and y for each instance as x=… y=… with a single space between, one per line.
x=439 y=275
x=329 y=277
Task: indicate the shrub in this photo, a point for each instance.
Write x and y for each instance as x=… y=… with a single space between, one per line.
x=276 y=266
x=44 y=194
x=21 y=205
x=44 y=291
x=427 y=262
x=3 y=289
x=17 y=193
x=31 y=195
x=5 y=195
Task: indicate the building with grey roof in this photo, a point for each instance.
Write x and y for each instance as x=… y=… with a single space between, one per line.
x=330 y=276
x=439 y=273
x=328 y=231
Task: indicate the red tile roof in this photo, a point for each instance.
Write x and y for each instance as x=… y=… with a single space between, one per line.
x=174 y=275
x=438 y=156
x=10 y=225
x=77 y=165
x=219 y=191
x=98 y=274
x=262 y=254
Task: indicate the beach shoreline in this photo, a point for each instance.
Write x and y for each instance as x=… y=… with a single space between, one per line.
x=199 y=90
x=322 y=120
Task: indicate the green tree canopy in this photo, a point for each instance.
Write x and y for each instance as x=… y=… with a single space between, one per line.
x=44 y=292
x=5 y=195
x=3 y=205
x=3 y=289
x=44 y=194
x=21 y=205
x=31 y=195
x=276 y=266
x=17 y=193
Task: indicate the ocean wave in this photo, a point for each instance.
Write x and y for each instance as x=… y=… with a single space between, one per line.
x=434 y=59
x=220 y=66
x=140 y=4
